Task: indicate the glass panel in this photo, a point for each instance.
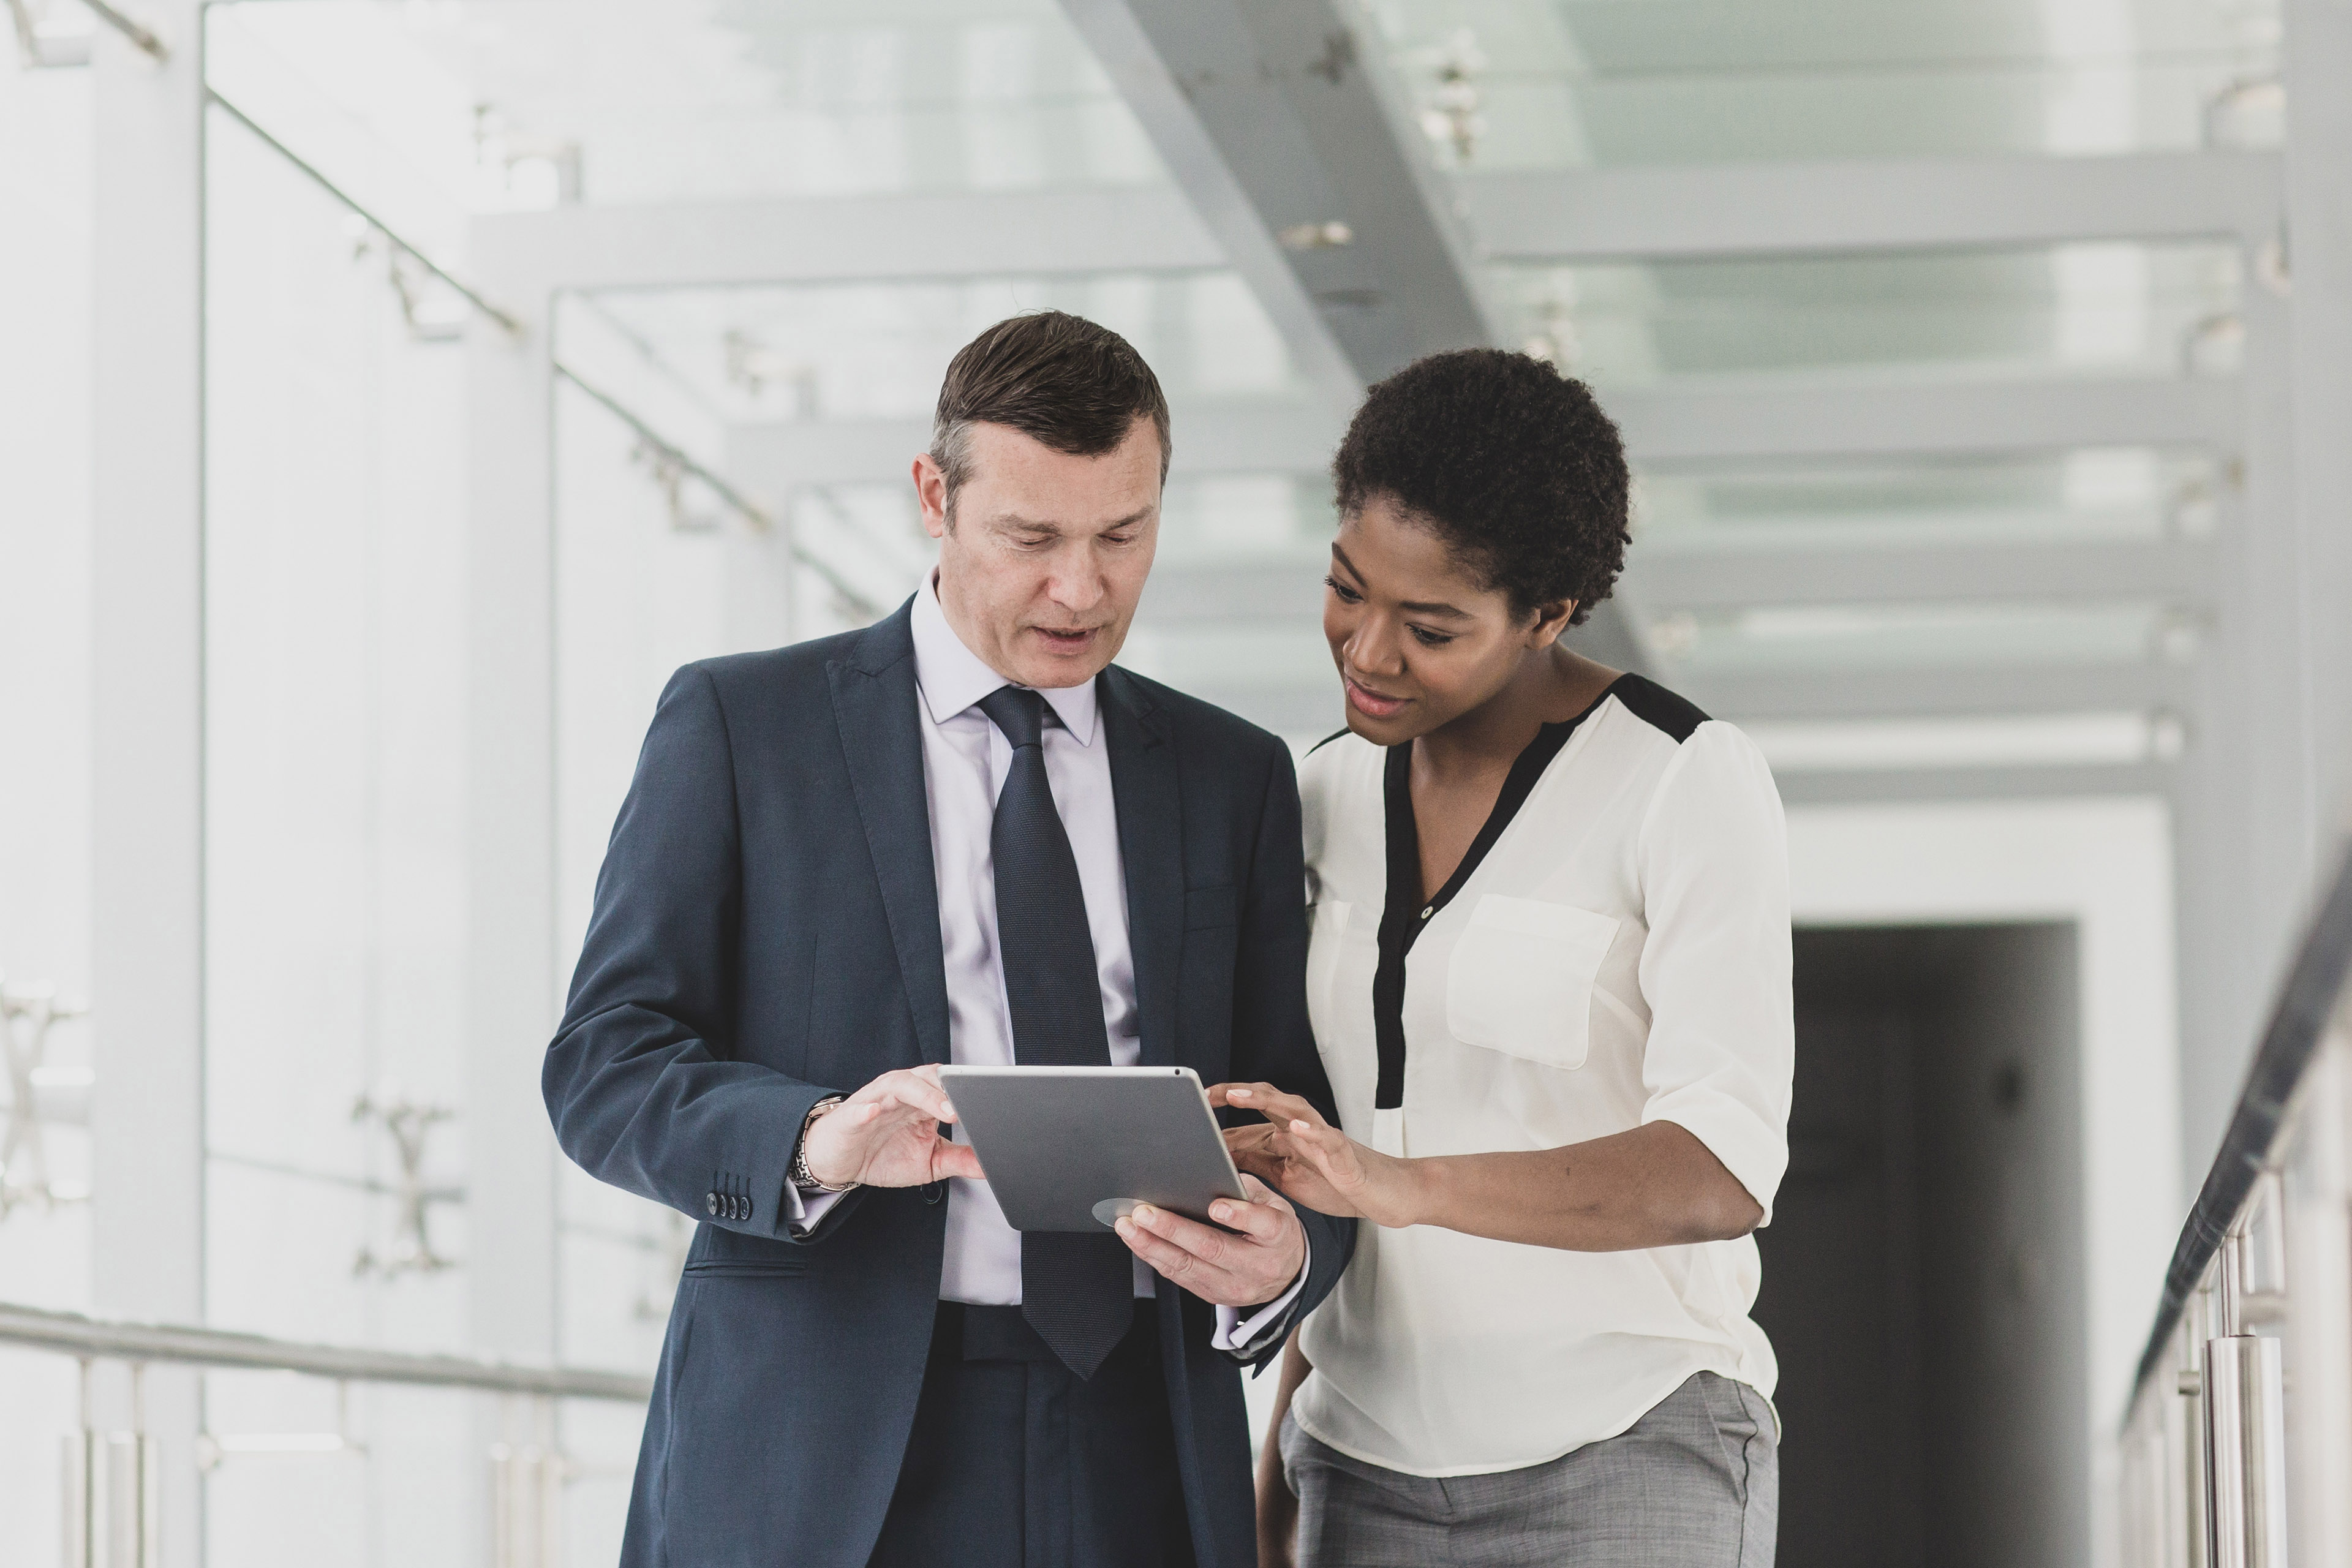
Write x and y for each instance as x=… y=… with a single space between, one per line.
x=847 y=351
x=335 y=704
x=2038 y=740
x=500 y=104
x=2068 y=310
x=1801 y=638
x=2090 y=493
x=1498 y=84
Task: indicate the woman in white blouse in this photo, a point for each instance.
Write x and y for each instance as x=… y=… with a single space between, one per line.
x=1549 y=978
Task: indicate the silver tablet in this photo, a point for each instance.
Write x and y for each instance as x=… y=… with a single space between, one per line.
x=1074 y=1148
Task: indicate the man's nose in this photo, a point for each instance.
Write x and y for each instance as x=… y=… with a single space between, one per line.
x=1075 y=583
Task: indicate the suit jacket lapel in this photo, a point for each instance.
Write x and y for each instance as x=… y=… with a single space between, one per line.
x=1152 y=849
x=873 y=701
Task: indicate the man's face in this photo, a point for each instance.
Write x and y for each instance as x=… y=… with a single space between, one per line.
x=1045 y=560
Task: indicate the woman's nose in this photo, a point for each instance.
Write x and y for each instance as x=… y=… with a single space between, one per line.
x=1375 y=650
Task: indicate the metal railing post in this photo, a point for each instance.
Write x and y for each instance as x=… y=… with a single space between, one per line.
x=2245 y=1431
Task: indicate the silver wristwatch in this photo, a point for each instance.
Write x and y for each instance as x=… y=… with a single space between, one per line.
x=801 y=1176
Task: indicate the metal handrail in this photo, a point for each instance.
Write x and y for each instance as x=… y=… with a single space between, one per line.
x=70 y=1333
x=2296 y=1027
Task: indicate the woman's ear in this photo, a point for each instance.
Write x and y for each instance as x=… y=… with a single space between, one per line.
x=1550 y=621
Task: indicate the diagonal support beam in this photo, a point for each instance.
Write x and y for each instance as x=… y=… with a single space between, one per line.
x=1302 y=159
x=1276 y=121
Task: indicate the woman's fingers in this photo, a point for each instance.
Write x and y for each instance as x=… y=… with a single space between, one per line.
x=1271 y=1103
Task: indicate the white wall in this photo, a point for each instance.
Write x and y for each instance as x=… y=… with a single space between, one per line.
x=45 y=539
x=2105 y=865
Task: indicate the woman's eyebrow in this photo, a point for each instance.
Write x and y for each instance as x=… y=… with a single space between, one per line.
x=1419 y=607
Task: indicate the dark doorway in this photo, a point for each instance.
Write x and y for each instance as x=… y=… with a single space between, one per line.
x=1923 y=1272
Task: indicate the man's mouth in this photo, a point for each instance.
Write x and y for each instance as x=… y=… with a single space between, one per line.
x=1066 y=639
x=1372 y=704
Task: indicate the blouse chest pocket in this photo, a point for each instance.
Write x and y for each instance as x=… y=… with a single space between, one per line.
x=1521 y=978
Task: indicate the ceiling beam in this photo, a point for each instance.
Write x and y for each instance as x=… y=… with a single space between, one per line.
x=1277 y=122
x=2021 y=783
x=1884 y=203
x=1313 y=708
x=1664 y=425
x=1765 y=418
x=849 y=239
x=1878 y=693
x=1695 y=580
x=1264 y=436
x=1279 y=589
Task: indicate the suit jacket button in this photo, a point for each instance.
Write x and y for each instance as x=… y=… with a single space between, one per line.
x=710 y=1204
x=746 y=1210
x=934 y=1191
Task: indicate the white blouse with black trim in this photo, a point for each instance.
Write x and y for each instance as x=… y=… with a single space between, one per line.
x=1613 y=951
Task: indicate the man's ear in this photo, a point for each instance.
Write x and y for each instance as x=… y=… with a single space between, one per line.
x=931 y=491
x=1550 y=621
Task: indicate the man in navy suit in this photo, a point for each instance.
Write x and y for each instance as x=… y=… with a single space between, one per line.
x=959 y=835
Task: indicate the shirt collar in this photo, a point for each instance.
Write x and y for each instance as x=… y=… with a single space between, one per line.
x=951 y=677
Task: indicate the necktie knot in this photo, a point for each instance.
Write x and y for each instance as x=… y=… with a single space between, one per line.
x=1019 y=712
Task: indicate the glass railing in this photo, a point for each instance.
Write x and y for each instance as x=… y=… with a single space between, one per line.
x=2237 y=1442
x=114 y=1480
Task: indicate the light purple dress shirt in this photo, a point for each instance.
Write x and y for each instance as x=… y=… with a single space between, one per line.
x=965 y=759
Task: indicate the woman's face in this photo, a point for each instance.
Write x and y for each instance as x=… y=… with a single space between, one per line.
x=1418 y=642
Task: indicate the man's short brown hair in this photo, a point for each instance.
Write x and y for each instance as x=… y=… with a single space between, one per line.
x=1061 y=380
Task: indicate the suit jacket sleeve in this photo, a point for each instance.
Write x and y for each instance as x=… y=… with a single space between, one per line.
x=638 y=1079
x=1272 y=1040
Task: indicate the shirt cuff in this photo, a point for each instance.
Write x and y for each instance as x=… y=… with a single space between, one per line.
x=1241 y=1336
x=802 y=1210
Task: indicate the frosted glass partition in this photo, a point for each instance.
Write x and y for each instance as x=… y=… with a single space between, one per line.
x=877 y=350
x=1498 y=84
x=2089 y=493
x=335 y=917
x=526 y=103
x=1826 y=638
x=2091 y=309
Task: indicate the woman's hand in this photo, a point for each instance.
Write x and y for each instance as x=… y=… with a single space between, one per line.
x=1313 y=1161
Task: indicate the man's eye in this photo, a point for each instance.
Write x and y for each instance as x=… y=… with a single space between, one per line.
x=1347 y=595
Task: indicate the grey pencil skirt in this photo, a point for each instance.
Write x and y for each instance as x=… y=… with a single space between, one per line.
x=1696 y=1483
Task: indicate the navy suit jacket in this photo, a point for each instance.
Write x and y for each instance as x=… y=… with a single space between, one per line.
x=767 y=932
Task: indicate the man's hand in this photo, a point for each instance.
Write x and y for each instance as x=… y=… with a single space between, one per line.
x=1220 y=1267
x=888 y=1135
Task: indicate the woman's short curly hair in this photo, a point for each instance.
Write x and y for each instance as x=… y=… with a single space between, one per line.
x=1512 y=464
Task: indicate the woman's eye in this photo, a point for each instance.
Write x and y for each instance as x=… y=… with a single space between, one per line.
x=1347 y=595
x=1428 y=638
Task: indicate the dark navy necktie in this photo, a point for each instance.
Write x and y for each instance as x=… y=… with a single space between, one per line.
x=1078 y=1292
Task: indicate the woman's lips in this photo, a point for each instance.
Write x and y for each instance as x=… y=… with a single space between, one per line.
x=1371 y=703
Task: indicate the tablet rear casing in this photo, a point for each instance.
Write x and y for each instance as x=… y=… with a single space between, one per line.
x=1057 y=1141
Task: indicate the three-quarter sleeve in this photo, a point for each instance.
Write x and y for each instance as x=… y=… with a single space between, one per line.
x=1712 y=861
